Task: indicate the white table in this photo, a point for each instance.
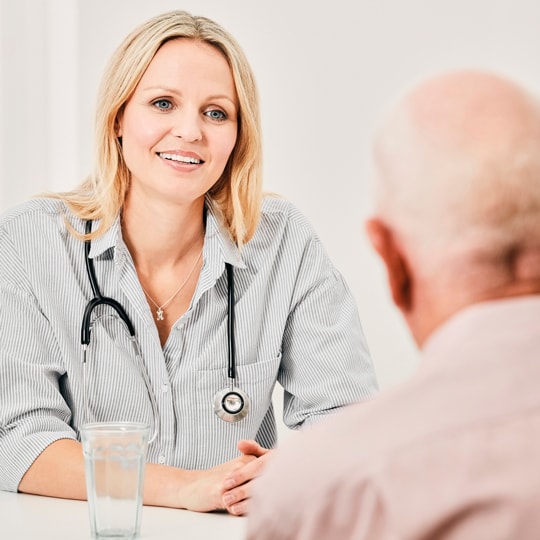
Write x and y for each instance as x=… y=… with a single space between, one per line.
x=30 y=517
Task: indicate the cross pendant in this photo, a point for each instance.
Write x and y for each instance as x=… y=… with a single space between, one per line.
x=159 y=314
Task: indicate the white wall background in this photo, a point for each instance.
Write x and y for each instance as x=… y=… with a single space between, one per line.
x=325 y=70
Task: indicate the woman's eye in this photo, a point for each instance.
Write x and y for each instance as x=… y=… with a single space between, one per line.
x=162 y=104
x=216 y=114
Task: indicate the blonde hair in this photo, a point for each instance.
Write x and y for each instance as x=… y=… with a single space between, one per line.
x=238 y=192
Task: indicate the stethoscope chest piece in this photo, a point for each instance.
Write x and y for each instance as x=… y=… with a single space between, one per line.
x=231 y=404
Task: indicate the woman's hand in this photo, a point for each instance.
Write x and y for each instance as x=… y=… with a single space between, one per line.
x=204 y=492
x=238 y=484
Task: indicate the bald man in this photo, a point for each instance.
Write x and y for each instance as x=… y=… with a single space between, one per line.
x=454 y=452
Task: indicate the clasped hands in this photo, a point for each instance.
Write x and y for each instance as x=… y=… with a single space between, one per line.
x=228 y=486
x=237 y=484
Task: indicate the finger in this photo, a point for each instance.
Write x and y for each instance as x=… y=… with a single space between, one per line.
x=239 y=509
x=244 y=474
x=252 y=448
x=235 y=495
x=242 y=461
x=236 y=478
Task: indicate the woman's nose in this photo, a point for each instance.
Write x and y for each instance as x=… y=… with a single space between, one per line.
x=188 y=126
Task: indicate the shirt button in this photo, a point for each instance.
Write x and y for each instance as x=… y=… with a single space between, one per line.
x=161 y=459
x=165 y=388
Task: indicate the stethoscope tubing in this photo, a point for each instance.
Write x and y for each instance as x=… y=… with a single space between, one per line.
x=231 y=323
x=221 y=399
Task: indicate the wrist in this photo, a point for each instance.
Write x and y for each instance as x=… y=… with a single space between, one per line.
x=169 y=486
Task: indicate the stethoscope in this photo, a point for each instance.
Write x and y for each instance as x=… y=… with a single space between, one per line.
x=231 y=403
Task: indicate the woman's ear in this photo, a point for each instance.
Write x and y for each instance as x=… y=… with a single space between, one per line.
x=399 y=278
x=118 y=124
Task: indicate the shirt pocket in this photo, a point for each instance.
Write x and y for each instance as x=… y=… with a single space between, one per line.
x=256 y=380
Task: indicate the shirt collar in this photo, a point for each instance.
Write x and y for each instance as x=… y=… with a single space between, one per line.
x=218 y=244
x=218 y=239
x=111 y=239
x=486 y=326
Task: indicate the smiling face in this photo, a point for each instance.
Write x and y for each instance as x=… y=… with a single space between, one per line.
x=180 y=125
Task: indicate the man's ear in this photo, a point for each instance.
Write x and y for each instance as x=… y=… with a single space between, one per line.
x=399 y=279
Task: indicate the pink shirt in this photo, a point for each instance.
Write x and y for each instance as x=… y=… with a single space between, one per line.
x=453 y=453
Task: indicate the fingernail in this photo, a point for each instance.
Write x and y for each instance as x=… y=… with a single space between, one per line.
x=228 y=483
x=228 y=498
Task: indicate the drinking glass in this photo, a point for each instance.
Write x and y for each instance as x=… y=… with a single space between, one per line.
x=115 y=460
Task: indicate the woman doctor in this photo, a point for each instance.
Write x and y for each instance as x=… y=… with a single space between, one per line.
x=175 y=216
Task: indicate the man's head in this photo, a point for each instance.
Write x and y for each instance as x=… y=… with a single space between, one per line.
x=457 y=196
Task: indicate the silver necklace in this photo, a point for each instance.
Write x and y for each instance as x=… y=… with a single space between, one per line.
x=159 y=310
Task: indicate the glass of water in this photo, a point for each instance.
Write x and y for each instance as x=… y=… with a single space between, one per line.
x=115 y=460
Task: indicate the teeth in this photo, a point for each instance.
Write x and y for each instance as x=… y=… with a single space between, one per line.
x=183 y=159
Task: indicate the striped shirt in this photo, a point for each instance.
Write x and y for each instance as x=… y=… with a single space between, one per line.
x=296 y=323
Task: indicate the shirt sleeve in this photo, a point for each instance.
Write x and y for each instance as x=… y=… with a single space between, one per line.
x=326 y=362
x=33 y=413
